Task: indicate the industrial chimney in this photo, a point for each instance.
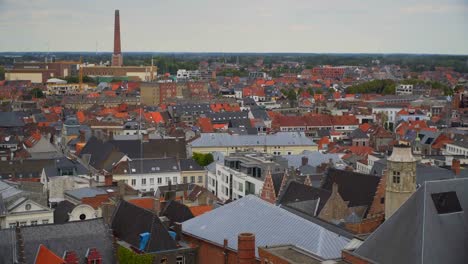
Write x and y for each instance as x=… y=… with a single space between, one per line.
x=117 y=59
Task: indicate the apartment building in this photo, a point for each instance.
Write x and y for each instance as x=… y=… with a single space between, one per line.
x=242 y=174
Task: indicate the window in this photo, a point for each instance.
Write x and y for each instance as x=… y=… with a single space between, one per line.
x=241 y=187
x=180 y=260
x=28 y=207
x=143 y=181
x=192 y=179
x=184 y=179
x=396 y=177
x=167 y=180
x=33 y=223
x=382 y=200
x=151 y=181
x=200 y=179
x=12 y=225
x=82 y=216
x=133 y=182
x=174 y=179
x=159 y=180
x=44 y=222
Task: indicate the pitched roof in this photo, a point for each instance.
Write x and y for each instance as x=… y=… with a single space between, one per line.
x=356 y=188
x=61 y=212
x=225 y=139
x=144 y=202
x=297 y=192
x=176 y=212
x=129 y=221
x=77 y=236
x=418 y=233
x=7 y=246
x=200 y=209
x=45 y=256
x=271 y=225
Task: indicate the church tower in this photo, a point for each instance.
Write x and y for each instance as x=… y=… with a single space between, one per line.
x=401 y=178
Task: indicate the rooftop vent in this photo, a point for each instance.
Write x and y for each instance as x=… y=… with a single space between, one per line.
x=446 y=202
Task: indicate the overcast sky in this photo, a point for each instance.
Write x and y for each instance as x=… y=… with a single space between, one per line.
x=354 y=26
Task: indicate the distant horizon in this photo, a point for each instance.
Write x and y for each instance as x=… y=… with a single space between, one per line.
x=236 y=52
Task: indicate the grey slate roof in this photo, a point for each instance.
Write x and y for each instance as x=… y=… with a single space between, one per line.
x=271 y=225
x=129 y=221
x=189 y=165
x=358 y=133
x=416 y=233
x=10 y=119
x=278 y=139
x=138 y=166
x=77 y=236
x=7 y=246
x=315 y=158
x=85 y=192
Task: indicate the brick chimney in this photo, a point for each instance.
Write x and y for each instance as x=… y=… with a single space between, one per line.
x=304 y=161
x=246 y=248
x=82 y=136
x=456 y=166
x=178 y=230
x=108 y=179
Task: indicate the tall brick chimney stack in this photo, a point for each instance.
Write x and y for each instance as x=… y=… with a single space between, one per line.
x=246 y=248
x=117 y=59
x=456 y=166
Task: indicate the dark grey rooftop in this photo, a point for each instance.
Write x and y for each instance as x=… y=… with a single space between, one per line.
x=419 y=233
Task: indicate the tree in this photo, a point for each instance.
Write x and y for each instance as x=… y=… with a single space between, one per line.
x=203 y=159
x=2 y=73
x=37 y=93
x=292 y=96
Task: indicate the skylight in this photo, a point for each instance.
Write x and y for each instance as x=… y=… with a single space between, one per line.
x=446 y=202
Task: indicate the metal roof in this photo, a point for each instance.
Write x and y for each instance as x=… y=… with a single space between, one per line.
x=271 y=225
x=278 y=139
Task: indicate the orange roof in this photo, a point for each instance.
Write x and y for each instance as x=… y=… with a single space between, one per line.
x=45 y=256
x=91 y=95
x=201 y=209
x=220 y=126
x=365 y=127
x=147 y=203
x=205 y=125
x=81 y=116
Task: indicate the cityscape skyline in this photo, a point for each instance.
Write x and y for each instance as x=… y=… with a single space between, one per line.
x=251 y=27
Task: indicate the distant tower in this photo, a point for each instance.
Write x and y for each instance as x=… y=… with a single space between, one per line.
x=401 y=178
x=117 y=59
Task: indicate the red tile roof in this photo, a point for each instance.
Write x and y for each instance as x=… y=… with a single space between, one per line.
x=201 y=209
x=205 y=125
x=147 y=203
x=45 y=256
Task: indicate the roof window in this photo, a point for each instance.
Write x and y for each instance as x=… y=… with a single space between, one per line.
x=446 y=202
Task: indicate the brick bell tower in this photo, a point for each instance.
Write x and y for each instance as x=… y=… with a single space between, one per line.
x=401 y=178
x=117 y=58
